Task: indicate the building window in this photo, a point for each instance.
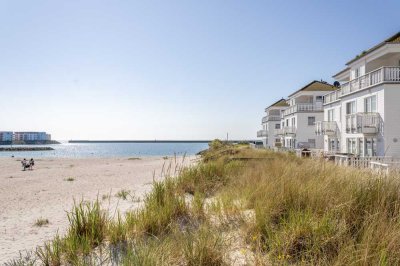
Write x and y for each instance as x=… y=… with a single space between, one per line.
x=370 y=147
x=356 y=73
x=352 y=145
x=293 y=121
x=331 y=115
x=351 y=108
x=287 y=122
x=361 y=146
x=311 y=142
x=319 y=98
x=370 y=104
x=277 y=126
x=311 y=120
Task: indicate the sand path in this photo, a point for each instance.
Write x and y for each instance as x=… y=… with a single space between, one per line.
x=26 y=196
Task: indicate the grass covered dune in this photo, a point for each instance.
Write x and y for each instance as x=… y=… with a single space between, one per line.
x=240 y=206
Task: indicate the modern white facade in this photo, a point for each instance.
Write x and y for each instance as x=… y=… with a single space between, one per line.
x=271 y=123
x=31 y=136
x=362 y=117
x=298 y=119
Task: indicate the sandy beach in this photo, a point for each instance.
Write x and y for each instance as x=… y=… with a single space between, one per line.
x=50 y=189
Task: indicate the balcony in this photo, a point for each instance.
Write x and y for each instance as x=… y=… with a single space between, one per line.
x=328 y=128
x=290 y=131
x=332 y=97
x=373 y=78
x=261 y=133
x=271 y=118
x=364 y=123
x=302 y=107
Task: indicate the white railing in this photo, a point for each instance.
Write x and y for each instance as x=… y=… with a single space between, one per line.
x=362 y=162
x=385 y=74
x=385 y=167
x=302 y=107
x=365 y=123
x=271 y=118
x=261 y=133
x=326 y=128
x=332 y=96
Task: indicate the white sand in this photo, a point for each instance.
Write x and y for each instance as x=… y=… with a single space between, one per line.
x=26 y=196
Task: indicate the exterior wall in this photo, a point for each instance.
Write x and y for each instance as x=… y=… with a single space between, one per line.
x=391 y=143
x=359 y=98
x=304 y=132
x=271 y=133
x=337 y=109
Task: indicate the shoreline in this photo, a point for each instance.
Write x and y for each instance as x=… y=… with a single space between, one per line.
x=49 y=191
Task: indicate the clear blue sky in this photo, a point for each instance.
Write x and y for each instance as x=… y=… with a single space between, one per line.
x=171 y=69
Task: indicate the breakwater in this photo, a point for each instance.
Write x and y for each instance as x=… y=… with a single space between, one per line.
x=26 y=149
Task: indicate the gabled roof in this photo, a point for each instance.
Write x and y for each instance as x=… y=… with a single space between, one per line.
x=316 y=86
x=394 y=39
x=280 y=103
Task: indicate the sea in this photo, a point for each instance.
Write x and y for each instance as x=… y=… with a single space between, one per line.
x=109 y=150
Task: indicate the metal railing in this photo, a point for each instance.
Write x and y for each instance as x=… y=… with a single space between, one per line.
x=326 y=128
x=365 y=123
x=386 y=74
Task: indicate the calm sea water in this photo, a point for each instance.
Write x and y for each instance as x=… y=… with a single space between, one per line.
x=102 y=150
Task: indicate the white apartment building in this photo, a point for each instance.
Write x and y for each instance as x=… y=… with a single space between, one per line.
x=31 y=136
x=298 y=119
x=362 y=117
x=271 y=122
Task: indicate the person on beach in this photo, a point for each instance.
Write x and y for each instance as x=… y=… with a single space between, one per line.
x=24 y=163
x=31 y=163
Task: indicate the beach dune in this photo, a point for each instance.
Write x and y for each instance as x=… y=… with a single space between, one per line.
x=49 y=191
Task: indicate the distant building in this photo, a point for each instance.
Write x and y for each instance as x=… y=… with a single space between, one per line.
x=6 y=136
x=271 y=124
x=31 y=136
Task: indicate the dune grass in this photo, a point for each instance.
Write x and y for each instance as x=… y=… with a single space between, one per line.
x=123 y=194
x=259 y=206
x=41 y=222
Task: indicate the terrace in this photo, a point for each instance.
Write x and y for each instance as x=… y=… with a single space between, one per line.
x=376 y=77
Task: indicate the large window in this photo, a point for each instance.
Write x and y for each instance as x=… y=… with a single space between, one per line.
x=277 y=126
x=370 y=104
x=370 y=147
x=311 y=142
x=293 y=121
x=311 y=120
x=352 y=145
x=351 y=108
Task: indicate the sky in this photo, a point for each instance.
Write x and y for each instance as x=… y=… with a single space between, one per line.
x=98 y=69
